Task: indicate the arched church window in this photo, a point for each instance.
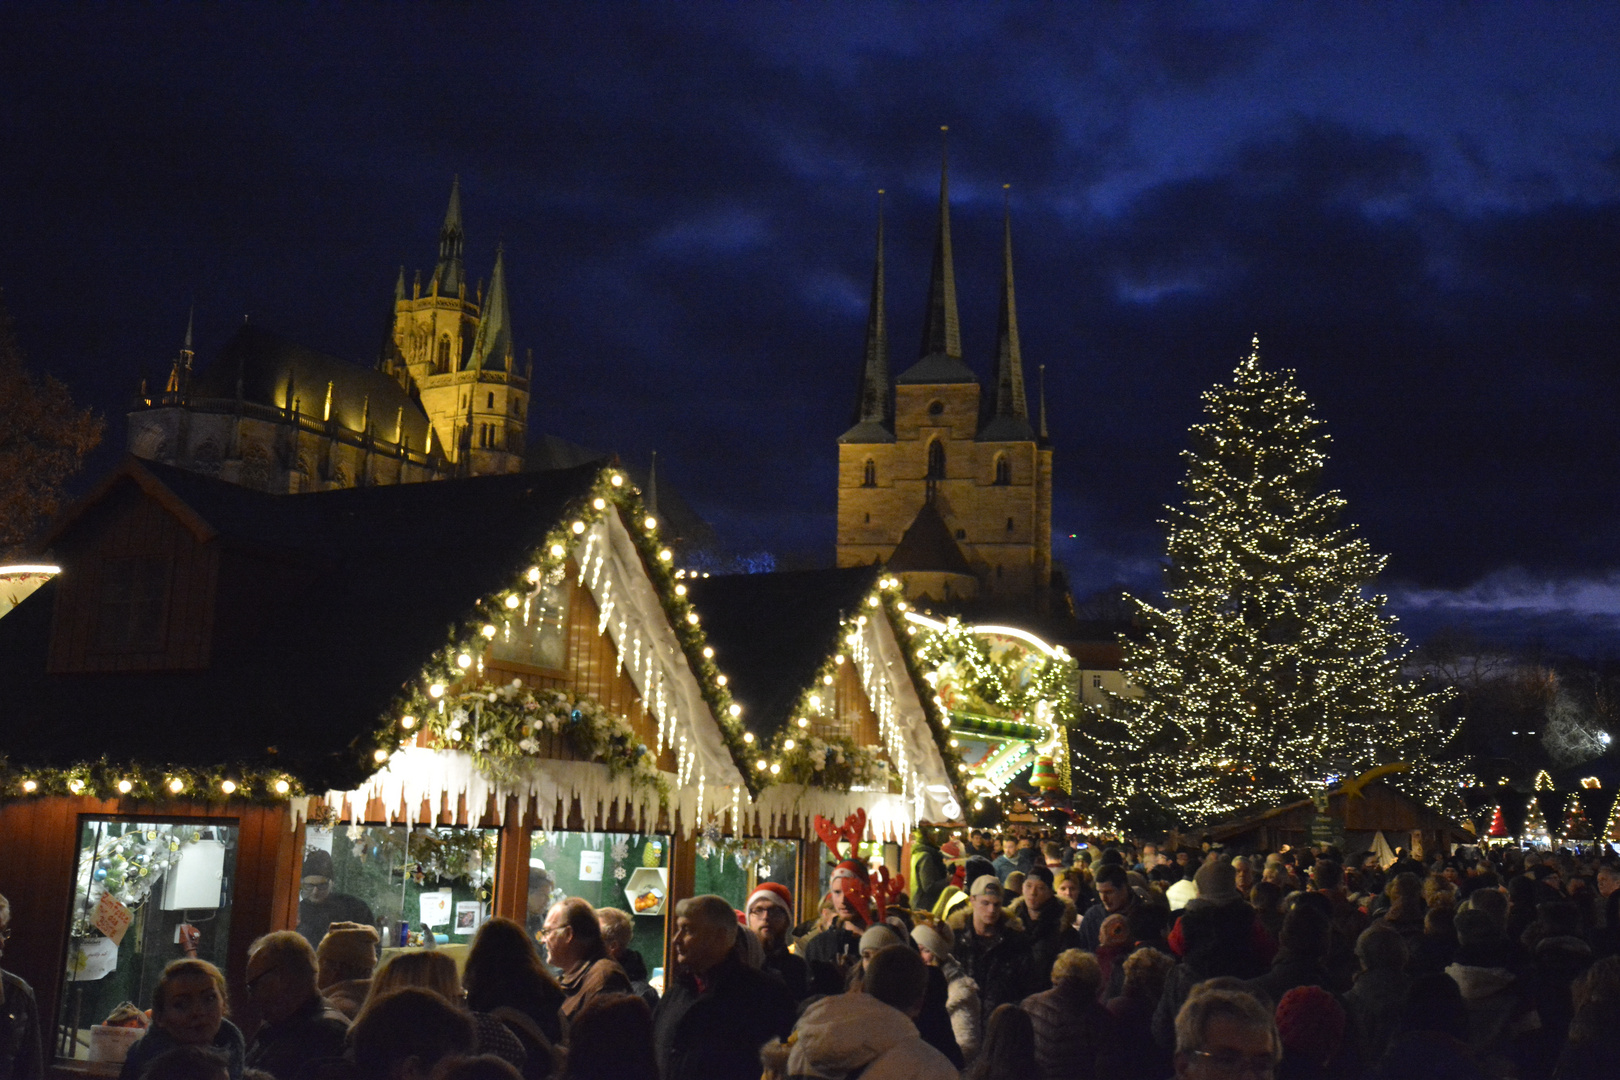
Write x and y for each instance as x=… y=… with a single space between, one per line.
x=491 y=404
x=1003 y=470
x=1009 y=524
x=869 y=478
x=441 y=363
x=936 y=460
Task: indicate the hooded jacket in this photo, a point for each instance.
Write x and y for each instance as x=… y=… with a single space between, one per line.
x=853 y=1034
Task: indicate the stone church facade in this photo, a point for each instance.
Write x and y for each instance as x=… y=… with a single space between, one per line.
x=948 y=484
x=445 y=397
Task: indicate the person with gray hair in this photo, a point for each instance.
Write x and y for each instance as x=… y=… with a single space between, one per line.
x=1223 y=1034
x=573 y=939
x=1071 y=1027
x=716 y=1011
x=298 y=1026
x=22 y=1055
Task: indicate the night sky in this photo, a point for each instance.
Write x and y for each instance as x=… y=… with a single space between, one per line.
x=1415 y=206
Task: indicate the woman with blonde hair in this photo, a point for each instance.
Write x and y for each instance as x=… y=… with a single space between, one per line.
x=189 y=1007
x=433 y=970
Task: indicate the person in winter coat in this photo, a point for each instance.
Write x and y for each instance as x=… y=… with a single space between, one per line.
x=1300 y=958
x=1009 y=1047
x=298 y=1027
x=1593 y=1046
x=1374 y=1001
x=1115 y=897
x=1071 y=1028
x=573 y=940
x=1043 y=914
x=991 y=947
x=869 y=1034
x=936 y=943
x=1217 y=936
x=1501 y=1010
x=716 y=1012
x=1134 y=1053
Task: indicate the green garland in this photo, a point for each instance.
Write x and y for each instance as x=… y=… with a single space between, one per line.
x=454 y=664
x=102 y=779
x=1005 y=678
x=500 y=727
x=836 y=762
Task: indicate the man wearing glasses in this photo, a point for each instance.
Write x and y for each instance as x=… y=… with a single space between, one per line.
x=21 y=1055
x=1225 y=1035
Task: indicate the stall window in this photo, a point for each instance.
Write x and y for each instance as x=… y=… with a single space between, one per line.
x=147 y=892
x=407 y=882
x=735 y=868
x=628 y=871
x=537 y=633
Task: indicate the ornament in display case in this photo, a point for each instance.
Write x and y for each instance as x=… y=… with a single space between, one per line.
x=647 y=890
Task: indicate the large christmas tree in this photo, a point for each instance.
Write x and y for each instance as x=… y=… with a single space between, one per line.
x=1270 y=670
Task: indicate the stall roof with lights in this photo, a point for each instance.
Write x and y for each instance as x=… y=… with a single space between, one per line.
x=291 y=624
x=782 y=641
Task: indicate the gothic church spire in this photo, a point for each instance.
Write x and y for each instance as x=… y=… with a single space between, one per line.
x=450 y=276
x=940 y=359
x=492 y=348
x=872 y=410
x=1010 y=421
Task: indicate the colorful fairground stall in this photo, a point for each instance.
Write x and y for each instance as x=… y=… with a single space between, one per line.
x=417 y=705
x=1010 y=698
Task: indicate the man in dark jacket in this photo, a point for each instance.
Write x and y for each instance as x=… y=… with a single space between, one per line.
x=770 y=916
x=299 y=1026
x=834 y=951
x=1115 y=897
x=1041 y=911
x=21 y=1056
x=717 y=1011
x=1071 y=1028
x=993 y=951
x=1306 y=935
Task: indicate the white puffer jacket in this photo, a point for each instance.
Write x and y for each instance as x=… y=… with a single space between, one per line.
x=846 y=1033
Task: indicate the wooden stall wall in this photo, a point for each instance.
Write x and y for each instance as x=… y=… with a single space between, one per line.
x=38 y=847
x=167 y=569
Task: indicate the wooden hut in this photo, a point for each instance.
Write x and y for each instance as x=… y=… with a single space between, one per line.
x=402 y=688
x=1349 y=817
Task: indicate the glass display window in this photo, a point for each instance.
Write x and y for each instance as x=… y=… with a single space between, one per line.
x=146 y=892
x=536 y=635
x=407 y=882
x=733 y=868
x=628 y=871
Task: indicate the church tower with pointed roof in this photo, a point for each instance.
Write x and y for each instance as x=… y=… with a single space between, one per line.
x=950 y=487
x=455 y=350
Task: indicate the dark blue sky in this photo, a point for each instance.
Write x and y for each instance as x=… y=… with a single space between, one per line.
x=1416 y=206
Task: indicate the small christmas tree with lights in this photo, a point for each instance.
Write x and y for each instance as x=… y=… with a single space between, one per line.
x=1611 y=831
x=1270 y=671
x=1576 y=827
x=1535 y=824
x=1498 y=829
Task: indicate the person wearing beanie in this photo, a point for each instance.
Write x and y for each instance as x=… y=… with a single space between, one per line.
x=1047 y=920
x=936 y=944
x=344 y=961
x=770 y=915
x=1301 y=955
x=320 y=905
x=1310 y=1023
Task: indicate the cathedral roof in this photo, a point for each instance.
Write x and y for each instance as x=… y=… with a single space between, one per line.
x=772 y=632
x=327 y=604
x=270 y=369
x=929 y=546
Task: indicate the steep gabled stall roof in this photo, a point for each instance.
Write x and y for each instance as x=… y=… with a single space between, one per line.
x=778 y=639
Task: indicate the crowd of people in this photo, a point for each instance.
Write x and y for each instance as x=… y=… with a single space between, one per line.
x=1014 y=956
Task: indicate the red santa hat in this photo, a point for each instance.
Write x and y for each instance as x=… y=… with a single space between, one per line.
x=775 y=893
x=852 y=868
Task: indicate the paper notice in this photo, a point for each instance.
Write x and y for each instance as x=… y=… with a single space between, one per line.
x=469 y=914
x=590 y=865
x=93 y=958
x=111 y=918
x=436 y=908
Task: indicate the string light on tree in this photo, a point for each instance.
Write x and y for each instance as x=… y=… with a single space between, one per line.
x=1269 y=666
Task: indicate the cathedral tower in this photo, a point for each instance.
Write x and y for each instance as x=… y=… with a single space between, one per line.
x=951 y=491
x=456 y=351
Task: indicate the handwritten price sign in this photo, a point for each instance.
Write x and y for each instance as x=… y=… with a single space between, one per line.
x=111 y=918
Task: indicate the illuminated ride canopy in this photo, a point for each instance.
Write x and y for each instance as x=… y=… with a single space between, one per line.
x=1010 y=698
